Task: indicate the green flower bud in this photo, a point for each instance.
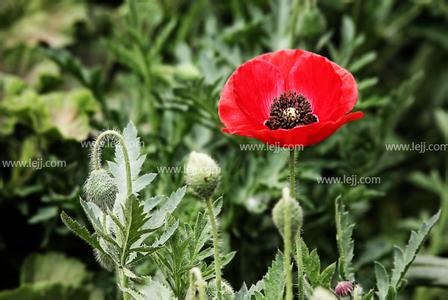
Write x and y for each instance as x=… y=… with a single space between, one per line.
x=226 y=289
x=278 y=214
x=100 y=189
x=202 y=174
x=311 y=22
x=104 y=260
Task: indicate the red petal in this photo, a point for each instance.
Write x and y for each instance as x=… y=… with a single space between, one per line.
x=229 y=111
x=284 y=60
x=315 y=77
x=349 y=91
x=256 y=84
x=299 y=136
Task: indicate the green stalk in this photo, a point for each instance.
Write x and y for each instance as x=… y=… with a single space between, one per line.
x=300 y=293
x=287 y=229
x=96 y=161
x=299 y=254
x=211 y=215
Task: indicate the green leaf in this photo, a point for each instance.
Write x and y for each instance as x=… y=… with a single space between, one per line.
x=56 y=19
x=312 y=267
x=45 y=290
x=135 y=219
x=432 y=182
x=157 y=291
x=326 y=276
x=344 y=240
x=403 y=259
x=136 y=160
x=44 y=214
x=52 y=267
x=382 y=281
x=428 y=271
x=273 y=281
x=80 y=231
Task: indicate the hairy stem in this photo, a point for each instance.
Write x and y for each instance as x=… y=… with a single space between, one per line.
x=299 y=267
x=287 y=229
x=211 y=215
x=96 y=155
x=96 y=162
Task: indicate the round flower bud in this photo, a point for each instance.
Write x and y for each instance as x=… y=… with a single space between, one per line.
x=278 y=214
x=226 y=290
x=202 y=174
x=344 y=288
x=104 y=260
x=100 y=189
x=311 y=23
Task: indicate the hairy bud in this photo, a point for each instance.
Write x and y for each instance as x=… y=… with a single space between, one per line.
x=226 y=288
x=202 y=174
x=344 y=288
x=278 y=214
x=100 y=189
x=104 y=260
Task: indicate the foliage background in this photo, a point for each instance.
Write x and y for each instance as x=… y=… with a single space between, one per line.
x=70 y=69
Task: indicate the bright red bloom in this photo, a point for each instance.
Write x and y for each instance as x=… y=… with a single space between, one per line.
x=288 y=98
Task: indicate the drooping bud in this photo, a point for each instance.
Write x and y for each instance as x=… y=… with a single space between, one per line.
x=202 y=174
x=104 y=260
x=101 y=189
x=344 y=288
x=226 y=289
x=278 y=214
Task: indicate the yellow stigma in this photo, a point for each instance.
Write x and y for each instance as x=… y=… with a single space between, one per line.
x=290 y=113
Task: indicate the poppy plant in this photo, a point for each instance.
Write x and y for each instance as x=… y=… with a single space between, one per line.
x=288 y=98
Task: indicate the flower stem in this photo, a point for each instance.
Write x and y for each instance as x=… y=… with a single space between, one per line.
x=292 y=173
x=96 y=163
x=211 y=215
x=300 y=293
x=287 y=230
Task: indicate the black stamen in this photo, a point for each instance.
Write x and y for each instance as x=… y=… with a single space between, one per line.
x=290 y=110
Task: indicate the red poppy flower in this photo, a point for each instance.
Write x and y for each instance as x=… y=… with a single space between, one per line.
x=288 y=98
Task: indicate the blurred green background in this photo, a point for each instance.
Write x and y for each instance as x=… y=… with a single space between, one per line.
x=70 y=69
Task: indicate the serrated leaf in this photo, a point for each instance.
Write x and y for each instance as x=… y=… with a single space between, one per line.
x=344 y=240
x=166 y=235
x=155 y=290
x=94 y=214
x=273 y=281
x=142 y=182
x=382 y=281
x=80 y=231
x=403 y=259
x=136 y=159
x=173 y=201
x=312 y=267
x=327 y=275
x=152 y=202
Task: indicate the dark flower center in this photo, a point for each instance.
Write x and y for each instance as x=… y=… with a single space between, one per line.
x=290 y=110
